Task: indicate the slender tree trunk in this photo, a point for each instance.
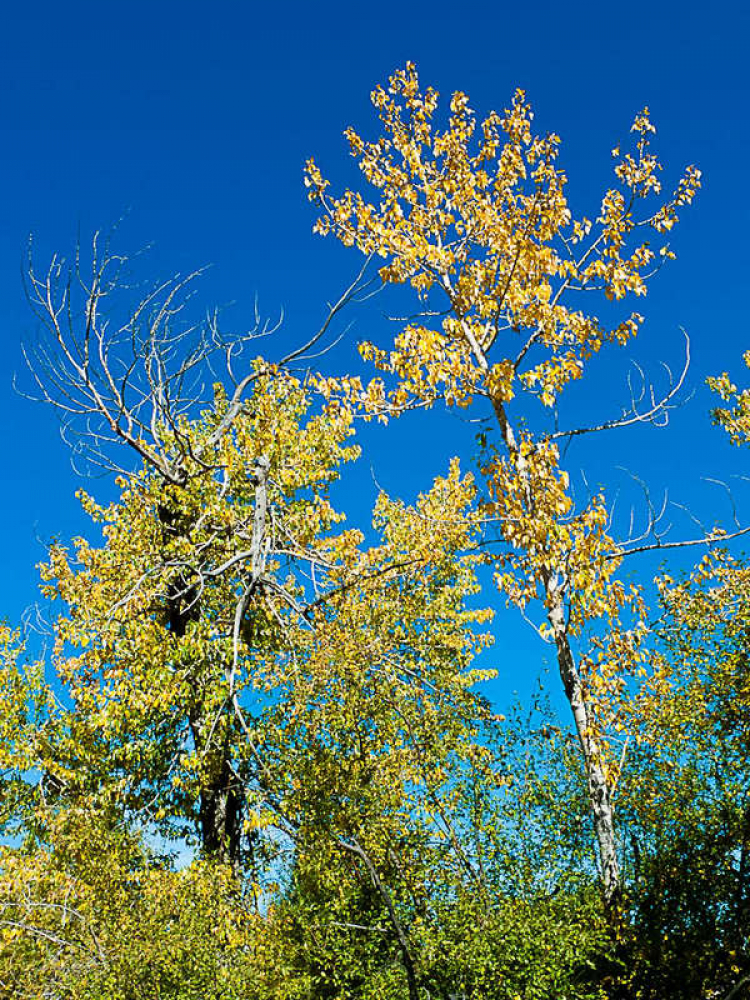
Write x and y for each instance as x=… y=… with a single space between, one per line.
x=400 y=933
x=599 y=793
x=599 y=797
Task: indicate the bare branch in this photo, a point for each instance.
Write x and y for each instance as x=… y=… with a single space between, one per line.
x=657 y=411
x=121 y=365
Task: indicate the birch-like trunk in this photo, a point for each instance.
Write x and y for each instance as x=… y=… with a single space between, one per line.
x=600 y=801
x=599 y=793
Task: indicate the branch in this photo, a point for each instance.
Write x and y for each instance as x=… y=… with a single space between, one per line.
x=658 y=408
x=710 y=540
x=118 y=372
x=408 y=961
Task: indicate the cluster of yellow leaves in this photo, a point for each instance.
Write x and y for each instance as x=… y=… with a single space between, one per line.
x=90 y=914
x=22 y=699
x=343 y=645
x=478 y=213
x=185 y=549
x=735 y=419
x=691 y=718
x=377 y=695
x=708 y=614
x=549 y=539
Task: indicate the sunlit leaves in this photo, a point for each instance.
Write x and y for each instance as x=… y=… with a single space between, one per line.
x=475 y=216
x=479 y=213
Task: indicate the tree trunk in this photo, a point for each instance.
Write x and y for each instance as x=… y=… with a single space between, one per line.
x=599 y=797
x=598 y=787
x=220 y=804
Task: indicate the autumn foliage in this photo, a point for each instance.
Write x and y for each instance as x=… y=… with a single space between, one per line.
x=259 y=760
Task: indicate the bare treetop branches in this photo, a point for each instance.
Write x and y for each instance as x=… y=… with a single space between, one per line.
x=126 y=366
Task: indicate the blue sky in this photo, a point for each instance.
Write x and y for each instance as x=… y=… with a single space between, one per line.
x=197 y=119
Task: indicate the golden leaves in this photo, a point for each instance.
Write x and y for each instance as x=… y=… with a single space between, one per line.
x=735 y=419
x=477 y=216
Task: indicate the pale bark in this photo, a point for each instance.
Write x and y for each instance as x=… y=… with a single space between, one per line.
x=599 y=792
x=600 y=801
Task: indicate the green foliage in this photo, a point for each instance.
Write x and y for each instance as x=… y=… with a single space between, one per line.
x=686 y=793
x=296 y=702
x=89 y=915
x=25 y=706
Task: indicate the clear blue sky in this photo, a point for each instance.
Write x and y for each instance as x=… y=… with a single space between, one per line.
x=198 y=118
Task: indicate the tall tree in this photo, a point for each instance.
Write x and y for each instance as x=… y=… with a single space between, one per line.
x=476 y=219
x=237 y=661
x=222 y=490
x=169 y=622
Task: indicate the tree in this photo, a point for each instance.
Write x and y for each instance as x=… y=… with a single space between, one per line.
x=477 y=221
x=229 y=651
x=132 y=385
x=317 y=723
x=171 y=620
x=686 y=794
x=685 y=805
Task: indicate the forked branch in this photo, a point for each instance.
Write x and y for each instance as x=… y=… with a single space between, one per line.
x=124 y=366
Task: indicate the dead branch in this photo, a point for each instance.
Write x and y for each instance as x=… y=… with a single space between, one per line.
x=124 y=366
x=657 y=409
